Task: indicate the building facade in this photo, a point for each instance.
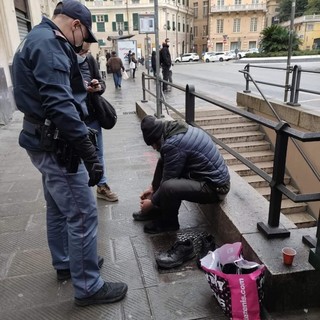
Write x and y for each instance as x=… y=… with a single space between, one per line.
x=114 y=19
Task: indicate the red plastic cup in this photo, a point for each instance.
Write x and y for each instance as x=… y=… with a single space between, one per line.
x=288 y=255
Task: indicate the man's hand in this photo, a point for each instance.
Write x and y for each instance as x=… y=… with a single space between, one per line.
x=95 y=171
x=147 y=193
x=145 y=205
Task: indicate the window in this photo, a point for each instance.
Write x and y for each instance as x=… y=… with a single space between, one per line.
x=220 y=26
x=195 y=9
x=310 y=27
x=195 y=31
x=237 y=2
x=220 y=3
x=205 y=8
x=168 y=25
x=100 y=20
x=135 y=1
x=253 y=24
x=135 y=21
x=119 y=24
x=236 y=25
x=204 y=30
x=255 y=1
x=173 y=25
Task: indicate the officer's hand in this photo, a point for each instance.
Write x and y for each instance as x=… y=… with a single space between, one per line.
x=95 y=171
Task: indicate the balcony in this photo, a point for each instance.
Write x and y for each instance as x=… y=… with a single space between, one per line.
x=239 y=8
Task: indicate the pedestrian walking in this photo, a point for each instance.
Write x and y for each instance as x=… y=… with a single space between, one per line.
x=95 y=85
x=133 y=65
x=103 y=66
x=116 y=65
x=49 y=90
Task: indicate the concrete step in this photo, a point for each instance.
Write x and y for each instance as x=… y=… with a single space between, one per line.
x=233 y=137
x=258 y=182
x=253 y=156
x=232 y=127
x=220 y=119
x=265 y=191
x=248 y=146
x=302 y=219
x=243 y=170
x=288 y=206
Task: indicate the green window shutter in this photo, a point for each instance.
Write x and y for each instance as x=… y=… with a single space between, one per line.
x=173 y=25
x=101 y=27
x=119 y=17
x=106 y=18
x=126 y=26
x=135 y=19
x=94 y=19
x=168 y=25
x=179 y=26
x=114 y=26
x=101 y=42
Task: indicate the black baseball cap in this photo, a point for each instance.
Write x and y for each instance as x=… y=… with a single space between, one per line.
x=76 y=10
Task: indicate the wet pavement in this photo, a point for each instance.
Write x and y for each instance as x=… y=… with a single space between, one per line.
x=28 y=285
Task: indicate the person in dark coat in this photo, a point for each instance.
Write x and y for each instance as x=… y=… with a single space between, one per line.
x=190 y=168
x=165 y=62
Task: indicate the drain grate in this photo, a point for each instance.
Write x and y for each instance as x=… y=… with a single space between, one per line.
x=129 y=112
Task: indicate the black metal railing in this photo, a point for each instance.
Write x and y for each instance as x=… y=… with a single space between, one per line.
x=283 y=132
x=294 y=87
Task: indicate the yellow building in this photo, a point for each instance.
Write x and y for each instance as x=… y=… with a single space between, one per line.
x=308 y=31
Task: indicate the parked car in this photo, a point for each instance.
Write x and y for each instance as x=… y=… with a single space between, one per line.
x=217 y=56
x=230 y=55
x=242 y=54
x=207 y=55
x=187 y=57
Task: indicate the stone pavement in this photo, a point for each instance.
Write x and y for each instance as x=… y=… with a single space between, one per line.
x=28 y=285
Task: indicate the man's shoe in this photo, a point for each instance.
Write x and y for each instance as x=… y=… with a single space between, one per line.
x=65 y=274
x=207 y=244
x=151 y=215
x=109 y=292
x=104 y=192
x=156 y=226
x=180 y=252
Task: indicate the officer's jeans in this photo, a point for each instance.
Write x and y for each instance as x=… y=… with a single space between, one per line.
x=173 y=191
x=95 y=125
x=72 y=221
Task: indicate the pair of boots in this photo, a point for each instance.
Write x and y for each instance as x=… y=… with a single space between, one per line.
x=183 y=251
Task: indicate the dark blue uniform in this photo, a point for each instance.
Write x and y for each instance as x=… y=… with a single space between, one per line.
x=48 y=85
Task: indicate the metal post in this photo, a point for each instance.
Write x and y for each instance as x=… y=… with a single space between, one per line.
x=247 y=68
x=190 y=103
x=156 y=24
x=144 y=88
x=287 y=87
x=272 y=230
x=295 y=85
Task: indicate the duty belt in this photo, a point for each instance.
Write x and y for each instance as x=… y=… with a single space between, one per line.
x=30 y=126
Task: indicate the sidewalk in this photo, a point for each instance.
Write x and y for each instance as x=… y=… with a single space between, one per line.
x=29 y=289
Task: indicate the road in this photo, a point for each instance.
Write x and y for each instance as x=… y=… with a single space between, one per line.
x=222 y=80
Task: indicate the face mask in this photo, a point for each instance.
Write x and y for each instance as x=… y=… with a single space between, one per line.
x=81 y=59
x=168 y=44
x=77 y=49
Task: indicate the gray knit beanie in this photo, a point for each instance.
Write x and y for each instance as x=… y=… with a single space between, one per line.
x=151 y=129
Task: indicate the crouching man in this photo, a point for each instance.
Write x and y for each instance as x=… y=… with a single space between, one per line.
x=190 y=168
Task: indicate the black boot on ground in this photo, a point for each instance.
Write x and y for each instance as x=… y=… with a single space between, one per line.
x=180 y=252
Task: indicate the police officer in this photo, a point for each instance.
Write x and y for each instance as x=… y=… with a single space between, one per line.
x=49 y=90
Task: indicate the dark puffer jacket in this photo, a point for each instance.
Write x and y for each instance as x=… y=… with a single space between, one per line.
x=191 y=155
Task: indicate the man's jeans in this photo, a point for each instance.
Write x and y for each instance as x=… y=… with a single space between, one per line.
x=117 y=78
x=72 y=221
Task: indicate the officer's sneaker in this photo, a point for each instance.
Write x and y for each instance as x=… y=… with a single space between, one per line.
x=180 y=252
x=65 y=274
x=104 y=192
x=110 y=292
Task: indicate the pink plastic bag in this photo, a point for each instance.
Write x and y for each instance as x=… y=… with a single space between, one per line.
x=239 y=295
